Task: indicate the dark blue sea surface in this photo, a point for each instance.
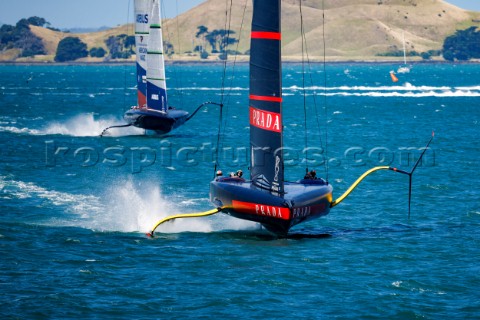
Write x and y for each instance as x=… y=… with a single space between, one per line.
x=75 y=207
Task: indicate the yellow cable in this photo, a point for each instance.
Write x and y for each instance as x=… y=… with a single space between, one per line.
x=355 y=184
x=187 y=215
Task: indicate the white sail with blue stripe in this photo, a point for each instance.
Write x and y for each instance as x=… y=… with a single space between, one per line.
x=152 y=111
x=156 y=86
x=143 y=9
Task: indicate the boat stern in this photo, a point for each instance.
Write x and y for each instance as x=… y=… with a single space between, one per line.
x=158 y=121
x=301 y=202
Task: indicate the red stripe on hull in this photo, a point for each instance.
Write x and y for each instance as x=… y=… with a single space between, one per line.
x=266 y=35
x=261 y=210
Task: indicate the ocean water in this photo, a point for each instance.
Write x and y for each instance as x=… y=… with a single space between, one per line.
x=75 y=207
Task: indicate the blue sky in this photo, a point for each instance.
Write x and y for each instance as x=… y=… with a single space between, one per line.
x=79 y=13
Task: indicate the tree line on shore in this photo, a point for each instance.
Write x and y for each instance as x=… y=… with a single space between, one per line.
x=461 y=46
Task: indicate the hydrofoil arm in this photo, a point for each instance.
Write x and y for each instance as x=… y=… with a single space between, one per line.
x=202 y=105
x=367 y=173
x=117 y=126
x=186 y=215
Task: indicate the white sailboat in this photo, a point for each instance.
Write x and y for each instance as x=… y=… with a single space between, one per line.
x=404 y=68
x=152 y=111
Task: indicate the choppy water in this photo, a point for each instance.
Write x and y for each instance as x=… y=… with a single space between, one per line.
x=75 y=207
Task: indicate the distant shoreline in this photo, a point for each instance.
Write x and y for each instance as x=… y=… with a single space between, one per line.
x=243 y=59
x=210 y=62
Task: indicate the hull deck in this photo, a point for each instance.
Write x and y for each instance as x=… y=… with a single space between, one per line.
x=301 y=202
x=160 y=122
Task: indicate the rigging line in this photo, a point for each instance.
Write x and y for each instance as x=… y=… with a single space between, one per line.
x=302 y=34
x=236 y=49
x=228 y=21
x=226 y=99
x=179 y=51
x=218 y=141
x=228 y=95
x=314 y=96
x=325 y=88
x=234 y=63
x=225 y=41
x=171 y=69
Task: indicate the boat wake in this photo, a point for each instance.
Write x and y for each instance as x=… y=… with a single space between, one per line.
x=25 y=191
x=84 y=125
x=126 y=207
x=407 y=90
x=16 y=130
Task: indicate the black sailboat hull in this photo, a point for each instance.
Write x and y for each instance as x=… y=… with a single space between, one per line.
x=301 y=202
x=160 y=122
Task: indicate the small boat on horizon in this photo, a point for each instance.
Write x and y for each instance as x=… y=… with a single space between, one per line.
x=405 y=68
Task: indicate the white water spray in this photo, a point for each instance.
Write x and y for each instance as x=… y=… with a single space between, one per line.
x=123 y=207
x=85 y=125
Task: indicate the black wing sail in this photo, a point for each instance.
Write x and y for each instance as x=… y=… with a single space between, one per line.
x=266 y=140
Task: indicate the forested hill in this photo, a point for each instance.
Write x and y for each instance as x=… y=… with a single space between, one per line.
x=354 y=30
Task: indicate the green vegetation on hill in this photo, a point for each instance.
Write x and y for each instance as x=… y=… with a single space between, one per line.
x=218 y=38
x=463 y=45
x=20 y=37
x=357 y=30
x=70 y=49
x=97 y=52
x=121 y=46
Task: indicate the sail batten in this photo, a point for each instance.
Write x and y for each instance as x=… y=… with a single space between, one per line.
x=266 y=140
